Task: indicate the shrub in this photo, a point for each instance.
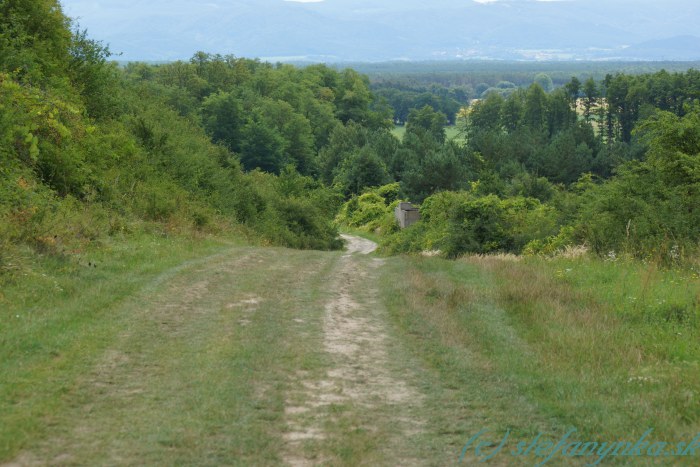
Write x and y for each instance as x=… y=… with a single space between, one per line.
x=461 y=222
x=372 y=210
x=553 y=244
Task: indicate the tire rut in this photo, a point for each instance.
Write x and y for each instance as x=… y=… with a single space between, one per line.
x=360 y=376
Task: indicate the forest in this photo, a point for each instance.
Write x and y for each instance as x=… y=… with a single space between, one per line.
x=91 y=148
x=606 y=164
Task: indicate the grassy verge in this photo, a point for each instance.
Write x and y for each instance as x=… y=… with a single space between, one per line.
x=56 y=315
x=434 y=305
x=530 y=346
x=171 y=350
x=619 y=340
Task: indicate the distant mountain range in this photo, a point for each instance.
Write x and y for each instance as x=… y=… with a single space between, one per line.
x=376 y=30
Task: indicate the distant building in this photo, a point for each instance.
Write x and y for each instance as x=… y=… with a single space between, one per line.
x=406 y=214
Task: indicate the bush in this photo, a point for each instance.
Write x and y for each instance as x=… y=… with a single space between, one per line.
x=461 y=222
x=553 y=244
x=372 y=210
x=649 y=209
x=292 y=210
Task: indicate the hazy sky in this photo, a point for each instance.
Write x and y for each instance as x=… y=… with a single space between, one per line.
x=87 y=9
x=394 y=29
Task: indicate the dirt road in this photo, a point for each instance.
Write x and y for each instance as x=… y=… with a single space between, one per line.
x=361 y=245
x=360 y=378
x=253 y=356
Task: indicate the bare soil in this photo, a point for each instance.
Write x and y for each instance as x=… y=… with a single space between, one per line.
x=360 y=375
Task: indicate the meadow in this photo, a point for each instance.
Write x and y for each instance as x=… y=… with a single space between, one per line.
x=452 y=133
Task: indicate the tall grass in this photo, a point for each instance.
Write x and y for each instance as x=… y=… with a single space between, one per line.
x=611 y=348
x=615 y=341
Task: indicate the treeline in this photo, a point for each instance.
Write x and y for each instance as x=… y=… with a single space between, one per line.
x=403 y=98
x=270 y=116
x=575 y=129
x=457 y=73
x=319 y=122
x=612 y=164
x=629 y=94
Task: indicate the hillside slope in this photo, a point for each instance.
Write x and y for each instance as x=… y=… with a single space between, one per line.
x=231 y=354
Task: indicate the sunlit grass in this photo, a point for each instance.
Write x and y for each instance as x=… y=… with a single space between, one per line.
x=452 y=132
x=610 y=348
x=55 y=318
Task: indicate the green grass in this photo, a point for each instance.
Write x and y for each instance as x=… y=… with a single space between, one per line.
x=157 y=355
x=618 y=369
x=435 y=305
x=398 y=131
x=452 y=132
x=57 y=315
x=547 y=345
x=173 y=350
x=621 y=339
x=187 y=350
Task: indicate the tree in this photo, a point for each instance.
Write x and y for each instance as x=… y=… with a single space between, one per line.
x=480 y=89
x=590 y=98
x=563 y=161
x=674 y=147
x=92 y=76
x=35 y=39
x=512 y=112
x=262 y=147
x=535 y=108
x=439 y=170
x=294 y=128
x=651 y=207
x=485 y=115
x=345 y=140
x=322 y=120
x=544 y=81
x=560 y=114
x=184 y=75
x=223 y=119
x=353 y=98
x=573 y=89
x=427 y=122
x=361 y=170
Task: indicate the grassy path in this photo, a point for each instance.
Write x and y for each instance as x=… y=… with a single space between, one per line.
x=251 y=356
x=238 y=355
x=360 y=409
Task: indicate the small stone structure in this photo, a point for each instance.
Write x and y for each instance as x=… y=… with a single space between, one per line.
x=406 y=214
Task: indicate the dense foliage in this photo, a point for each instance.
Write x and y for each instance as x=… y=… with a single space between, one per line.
x=609 y=163
x=88 y=149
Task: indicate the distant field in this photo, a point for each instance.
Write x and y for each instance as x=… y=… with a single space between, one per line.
x=399 y=131
x=451 y=131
